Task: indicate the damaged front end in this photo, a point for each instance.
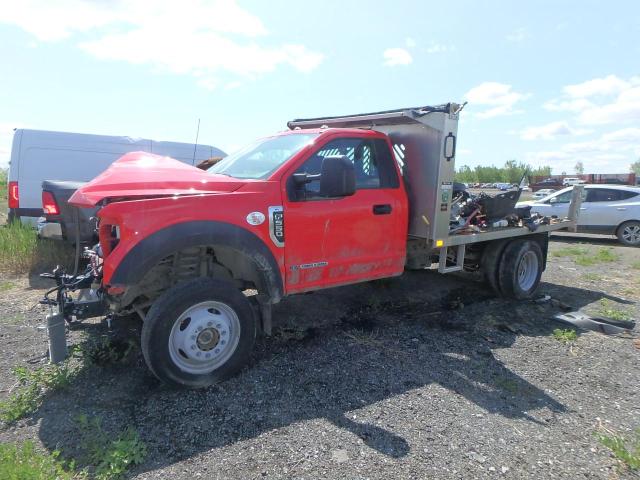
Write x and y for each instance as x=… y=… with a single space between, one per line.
x=78 y=296
x=75 y=297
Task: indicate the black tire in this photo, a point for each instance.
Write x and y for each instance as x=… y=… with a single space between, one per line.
x=629 y=233
x=174 y=303
x=520 y=253
x=490 y=264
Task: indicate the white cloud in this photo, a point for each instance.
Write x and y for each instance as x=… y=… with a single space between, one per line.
x=612 y=152
x=498 y=96
x=550 y=131
x=396 y=56
x=517 y=36
x=440 y=48
x=571 y=105
x=609 y=85
x=601 y=101
x=410 y=42
x=203 y=38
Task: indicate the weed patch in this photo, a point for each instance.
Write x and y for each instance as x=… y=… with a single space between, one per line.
x=508 y=385
x=584 y=257
x=571 y=251
x=23 y=462
x=608 y=309
x=592 y=277
x=636 y=265
x=107 y=351
x=31 y=388
x=110 y=457
x=626 y=451
x=565 y=336
x=21 y=251
x=4 y=286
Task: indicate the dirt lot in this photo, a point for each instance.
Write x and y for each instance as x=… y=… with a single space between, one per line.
x=423 y=376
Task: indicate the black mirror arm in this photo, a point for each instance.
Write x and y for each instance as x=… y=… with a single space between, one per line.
x=304 y=178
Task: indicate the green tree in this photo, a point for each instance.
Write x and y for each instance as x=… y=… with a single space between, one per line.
x=579 y=168
x=511 y=172
x=635 y=167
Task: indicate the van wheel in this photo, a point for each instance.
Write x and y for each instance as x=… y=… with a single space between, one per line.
x=198 y=333
x=520 y=269
x=629 y=233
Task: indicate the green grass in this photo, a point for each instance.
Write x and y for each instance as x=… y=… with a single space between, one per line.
x=32 y=386
x=565 y=335
x=5 y=286
x=626 y=451
x=21 y=251
x=106 y=457
x=636 y=265
x=508 y=385
x=110 y=457
x=592 y=277
x=24 y=462
x=608 y=309
x=571 y=251
x=584 y=257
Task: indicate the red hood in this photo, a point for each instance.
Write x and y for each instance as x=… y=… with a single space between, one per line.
x=141 y=174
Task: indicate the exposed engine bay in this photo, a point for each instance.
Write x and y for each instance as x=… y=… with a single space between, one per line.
x=483 y=212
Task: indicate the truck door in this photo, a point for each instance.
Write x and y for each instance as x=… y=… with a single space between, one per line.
x=333 y=241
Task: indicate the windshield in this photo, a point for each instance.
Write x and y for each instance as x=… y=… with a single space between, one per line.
x=260 y=159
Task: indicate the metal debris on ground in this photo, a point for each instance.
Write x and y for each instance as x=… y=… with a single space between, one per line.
x=607 y=326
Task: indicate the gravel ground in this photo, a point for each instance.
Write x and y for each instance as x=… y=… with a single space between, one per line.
x=423 y=376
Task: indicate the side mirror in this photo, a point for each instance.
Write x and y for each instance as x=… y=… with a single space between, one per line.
x=553 y=200
x=337 y=177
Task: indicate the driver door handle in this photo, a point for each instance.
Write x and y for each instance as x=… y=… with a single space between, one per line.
x=384 y=209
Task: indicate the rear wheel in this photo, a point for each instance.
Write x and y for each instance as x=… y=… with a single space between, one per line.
x=520 y=269
x=629 y=233
x=198 y=333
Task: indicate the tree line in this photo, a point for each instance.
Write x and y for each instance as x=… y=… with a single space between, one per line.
x=511 y=173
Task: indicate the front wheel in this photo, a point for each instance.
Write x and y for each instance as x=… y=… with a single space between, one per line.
x=198 y=333
x=629 y=233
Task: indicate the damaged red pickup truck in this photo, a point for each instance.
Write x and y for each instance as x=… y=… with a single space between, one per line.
x=331 y=201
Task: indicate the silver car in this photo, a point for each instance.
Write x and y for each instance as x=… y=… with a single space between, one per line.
x=606 y=209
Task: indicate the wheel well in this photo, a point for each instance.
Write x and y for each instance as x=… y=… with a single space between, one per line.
x=196 y=249
x=201 y=261
x=625 y=222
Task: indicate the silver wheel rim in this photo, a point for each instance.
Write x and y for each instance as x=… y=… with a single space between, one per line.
x=527 y=270
x=631 y=234
x=204 y=337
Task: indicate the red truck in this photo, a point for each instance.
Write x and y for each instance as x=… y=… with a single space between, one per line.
x=331 y=201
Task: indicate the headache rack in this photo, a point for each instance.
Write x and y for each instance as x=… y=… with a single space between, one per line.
x=424 y=142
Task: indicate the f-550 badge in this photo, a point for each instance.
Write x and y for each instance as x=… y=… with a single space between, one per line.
x=276 y=225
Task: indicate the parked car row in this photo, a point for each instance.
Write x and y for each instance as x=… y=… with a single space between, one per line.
x=605 y=209
x=498 y=185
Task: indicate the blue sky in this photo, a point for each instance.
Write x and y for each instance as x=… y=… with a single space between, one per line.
x=548 y=82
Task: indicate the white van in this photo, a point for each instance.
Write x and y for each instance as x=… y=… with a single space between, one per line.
x=38 y=155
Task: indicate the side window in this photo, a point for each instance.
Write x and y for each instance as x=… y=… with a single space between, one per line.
x=563 y=197
x=371 y=159
x=626 y=194
x=566 y=197
x=605 y=195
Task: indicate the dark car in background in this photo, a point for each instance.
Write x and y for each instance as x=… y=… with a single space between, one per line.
x=552 y=183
